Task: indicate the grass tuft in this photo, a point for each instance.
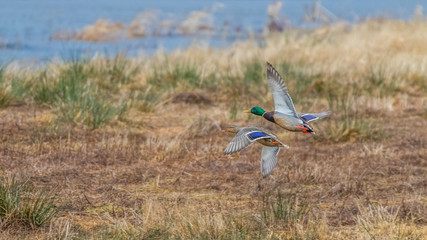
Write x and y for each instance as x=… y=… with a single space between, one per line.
x=113 y=74
x=285 y=208
x=146 y=99
x=379 y=222
x=22 y=206
x=347 y=123
x=76 y=98
x=5 y=98
x=4 y=95
x=12 y=88
x=253 y=77
x=378 y=83
x=174 y=76
x=298 y=79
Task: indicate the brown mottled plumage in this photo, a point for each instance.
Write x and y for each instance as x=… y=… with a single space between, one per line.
x=248 y=135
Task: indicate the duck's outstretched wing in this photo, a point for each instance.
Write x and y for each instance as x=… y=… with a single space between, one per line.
x=245 y=137
x=308 y=117
x=282 y=100
x=268 y=159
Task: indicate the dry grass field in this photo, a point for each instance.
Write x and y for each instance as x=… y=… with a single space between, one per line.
x=130 y=148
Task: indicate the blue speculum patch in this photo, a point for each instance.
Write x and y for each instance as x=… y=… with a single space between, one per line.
x=308 y=117
x=255 y=135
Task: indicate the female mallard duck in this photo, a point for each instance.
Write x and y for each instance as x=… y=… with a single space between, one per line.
x=284 y=114
x=248 y=135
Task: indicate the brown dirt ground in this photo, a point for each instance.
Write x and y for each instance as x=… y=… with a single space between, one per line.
x=175 y=156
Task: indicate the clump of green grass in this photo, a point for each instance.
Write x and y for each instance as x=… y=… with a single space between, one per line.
x=329 y=88
x=146 y=99
x=11 y=89
x=378 y=83
x=285 y=208
x=418 y=81
x=69 y=86
x=298 y=79
x=89 y=109
x=5 y=97
x=164 y=81
x=289 y=215
x=233 y=111
x=253 y=77
x=347 y=123
x=23 y=206
x=119 y=70
x=111 y=74
x=42 y=89
x=81 y=92
x=249 y=83
x=171 y=77
x=76 y=98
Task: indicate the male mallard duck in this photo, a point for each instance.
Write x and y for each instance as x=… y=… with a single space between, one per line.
x=284 y=114
x=248 y=135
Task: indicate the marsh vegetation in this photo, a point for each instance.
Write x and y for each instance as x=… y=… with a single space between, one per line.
x=131 y=148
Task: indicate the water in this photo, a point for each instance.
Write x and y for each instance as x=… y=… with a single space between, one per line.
x=27 y=27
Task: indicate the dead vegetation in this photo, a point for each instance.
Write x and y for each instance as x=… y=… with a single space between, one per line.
x=131 y=152
x=145 y=24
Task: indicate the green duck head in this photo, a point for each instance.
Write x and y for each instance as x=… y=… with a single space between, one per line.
x=256 y=110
